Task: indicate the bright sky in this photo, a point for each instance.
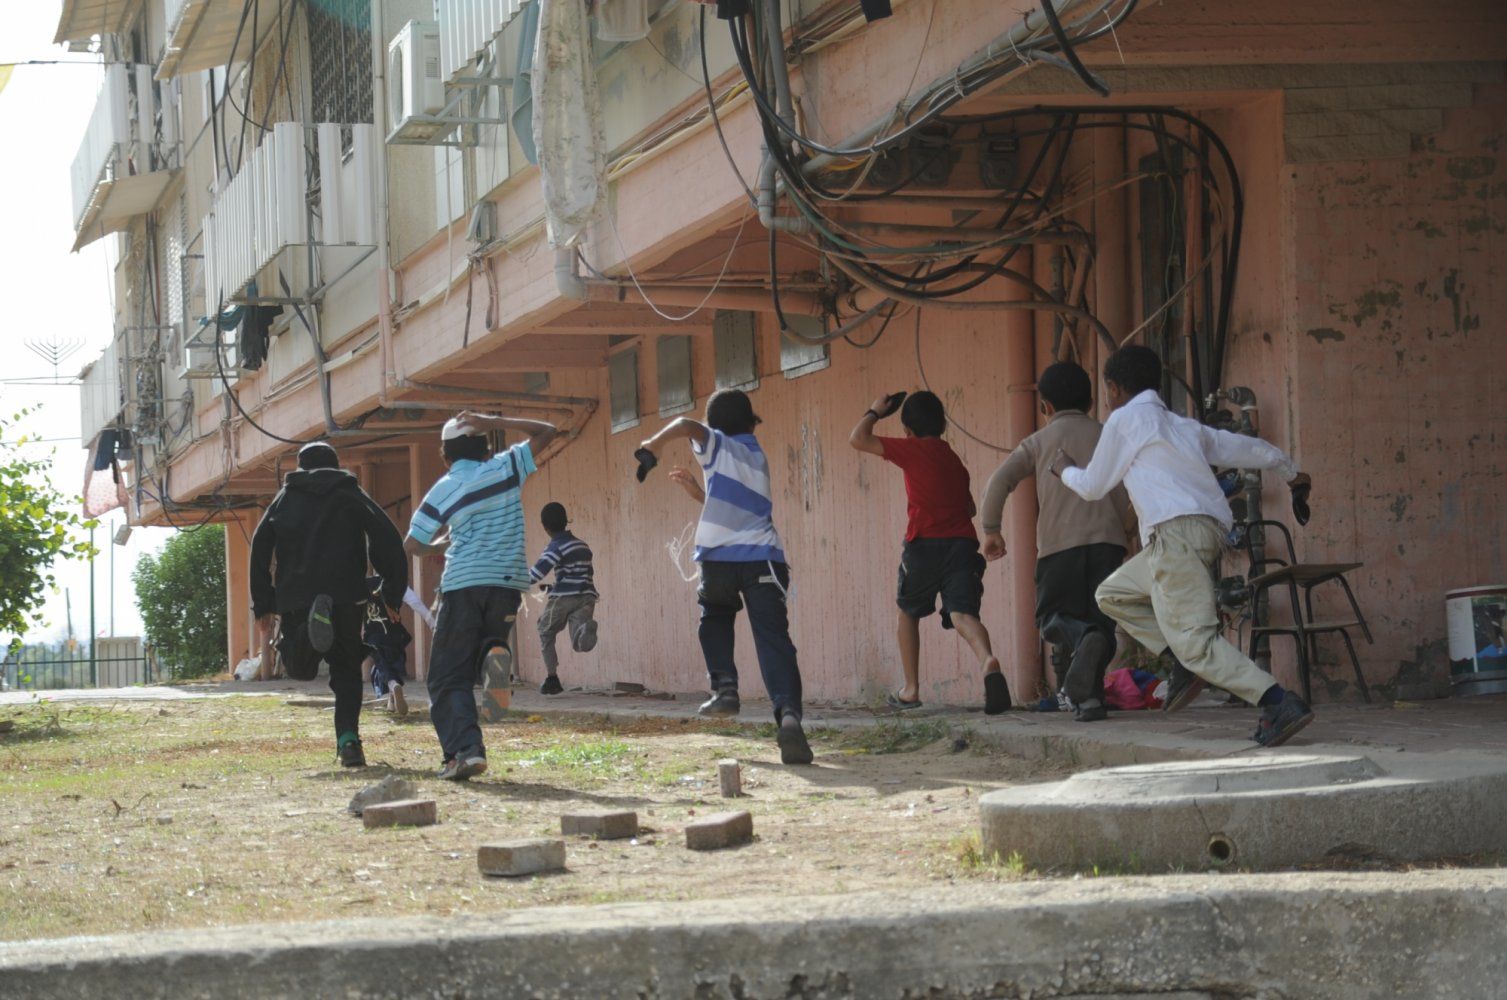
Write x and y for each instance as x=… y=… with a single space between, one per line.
x=49 y=294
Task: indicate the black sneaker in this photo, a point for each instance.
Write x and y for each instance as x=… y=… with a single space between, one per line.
x=551 y=685
x=351 y=754
x=467 y=765
x=322 y=624
x=1282 y=721
x=722 y=705
x=1182 y=687
x=1091 y=711
x=996 y=693
x=792 y=741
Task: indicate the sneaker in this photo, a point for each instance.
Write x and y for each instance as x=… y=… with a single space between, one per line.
x=722 y=705
x=551 y=685
x=1091 y=711
x=996 y=693
x=351 y=754
x=467 y=765
x=1182 y=687
x=399 y=701
x=792 y=742
x=586 y=638
x=322 y=624
x=496 y=684
x=1282 y=721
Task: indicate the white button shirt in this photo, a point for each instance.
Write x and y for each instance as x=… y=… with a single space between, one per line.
x=1164 y=460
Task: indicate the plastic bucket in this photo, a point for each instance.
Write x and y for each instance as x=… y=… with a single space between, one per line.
x=1476 y=623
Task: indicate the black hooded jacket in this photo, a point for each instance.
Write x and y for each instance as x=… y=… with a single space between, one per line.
x=323 y=529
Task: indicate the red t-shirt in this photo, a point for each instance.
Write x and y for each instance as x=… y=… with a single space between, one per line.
x=938 y=496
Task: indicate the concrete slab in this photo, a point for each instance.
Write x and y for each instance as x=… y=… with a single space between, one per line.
x=1421 y=936
x=1254 y=812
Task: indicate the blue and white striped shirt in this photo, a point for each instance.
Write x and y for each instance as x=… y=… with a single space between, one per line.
x=479 y=502
x=736 y=522
x=569 y=559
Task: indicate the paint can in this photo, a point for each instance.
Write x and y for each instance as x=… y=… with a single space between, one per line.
x=1476 y=624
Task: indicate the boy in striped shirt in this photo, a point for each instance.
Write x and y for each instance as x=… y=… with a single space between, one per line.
x=742 y=563
x=572 y=597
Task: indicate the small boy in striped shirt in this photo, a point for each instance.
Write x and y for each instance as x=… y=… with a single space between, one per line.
x=742 y=563
x=572 y=597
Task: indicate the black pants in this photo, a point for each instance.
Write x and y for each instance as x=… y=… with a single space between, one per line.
x=471 y=619
x=345 y=657
x=725 y=588
x=1065 y=607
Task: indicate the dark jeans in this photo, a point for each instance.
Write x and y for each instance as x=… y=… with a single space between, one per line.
x=1065 y=607
x=344 y=658
x=725 y=588
x=470 y=620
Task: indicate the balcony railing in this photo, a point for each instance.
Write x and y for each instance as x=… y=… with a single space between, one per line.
x=119 y=172
x=467 y=27
x=101 y=398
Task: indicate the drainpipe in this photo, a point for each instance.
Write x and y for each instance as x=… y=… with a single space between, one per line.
x=774 y=35
x=384 y=255
x=1022 y=655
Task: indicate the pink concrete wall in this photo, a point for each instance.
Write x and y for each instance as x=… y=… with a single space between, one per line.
x=1397 y=353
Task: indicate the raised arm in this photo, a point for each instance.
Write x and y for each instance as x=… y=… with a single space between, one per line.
x=680 y=427
x=863 y=437
x=540 y=432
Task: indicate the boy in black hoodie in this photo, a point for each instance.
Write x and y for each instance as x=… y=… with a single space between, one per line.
x=323 y=530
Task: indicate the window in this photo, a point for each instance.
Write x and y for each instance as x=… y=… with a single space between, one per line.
x=798 y=357
x=674 y=366
x=340 y=62
x=622 y=386
x=733 y=344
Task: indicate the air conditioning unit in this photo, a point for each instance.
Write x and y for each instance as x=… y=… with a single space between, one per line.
x=414 y=86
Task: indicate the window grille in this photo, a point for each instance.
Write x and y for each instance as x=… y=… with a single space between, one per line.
x=797 y=357
x=622 y=379
x=340 y=62
x=674 y=365
x=733 y=344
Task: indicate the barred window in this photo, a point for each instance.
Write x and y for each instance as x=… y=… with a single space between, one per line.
x=340 y=62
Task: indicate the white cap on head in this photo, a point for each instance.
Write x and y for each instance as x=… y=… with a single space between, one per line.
x=455 y=427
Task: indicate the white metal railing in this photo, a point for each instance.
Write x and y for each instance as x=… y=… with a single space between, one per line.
x=265 y=207
x=467 y=27
x=172 y=10
x=109 y=127
x=100 y=399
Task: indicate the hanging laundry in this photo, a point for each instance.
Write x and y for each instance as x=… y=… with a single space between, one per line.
x=622 y=20
x=568 y=126
x=253 y=336
x=522 y=115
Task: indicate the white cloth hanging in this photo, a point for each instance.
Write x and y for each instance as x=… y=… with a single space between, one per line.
x=568 y=128
x=622 y=20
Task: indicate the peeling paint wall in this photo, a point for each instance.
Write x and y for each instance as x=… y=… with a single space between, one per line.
x=1397 y=354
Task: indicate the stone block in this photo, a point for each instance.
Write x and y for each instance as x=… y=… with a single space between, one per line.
x=712 y=833
x=390 y=789
x=606 y=825
x=516 y=858
x=731 y=778
x=627 y=687
x=404 y=812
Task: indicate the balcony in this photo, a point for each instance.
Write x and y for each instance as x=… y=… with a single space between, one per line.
x=81 y=20
x=101 y=396
x=203 y=34
x=119 y=172
x=263 y=242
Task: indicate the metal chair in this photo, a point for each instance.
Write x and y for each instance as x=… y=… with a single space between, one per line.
x=1289 y=574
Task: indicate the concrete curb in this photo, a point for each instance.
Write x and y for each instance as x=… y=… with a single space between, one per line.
x=1423 y=935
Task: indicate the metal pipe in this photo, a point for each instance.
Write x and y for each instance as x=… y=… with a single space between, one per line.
x=1023 y=661
x=384 y=259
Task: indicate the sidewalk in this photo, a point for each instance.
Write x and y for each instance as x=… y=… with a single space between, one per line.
x=1473 y=728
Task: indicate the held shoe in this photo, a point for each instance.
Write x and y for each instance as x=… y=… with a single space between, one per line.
x=322 y=624
x=496 y=684
x=1282 y=721
x=792 y=742
x=1182 y=687
x=722 y=705
x=551 y=685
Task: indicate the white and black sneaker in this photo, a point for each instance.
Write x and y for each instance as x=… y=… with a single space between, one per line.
x=722 y=705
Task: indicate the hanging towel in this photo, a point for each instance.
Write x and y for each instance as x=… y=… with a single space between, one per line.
x=622 y=20
x=523 y=82
x=568 y=122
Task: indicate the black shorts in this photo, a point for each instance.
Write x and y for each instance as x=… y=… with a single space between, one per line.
x=950 y=567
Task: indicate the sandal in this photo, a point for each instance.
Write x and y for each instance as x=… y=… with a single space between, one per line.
x=899 y=704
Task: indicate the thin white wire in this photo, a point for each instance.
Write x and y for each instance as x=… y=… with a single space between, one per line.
x=612 y=224
x=677 y=547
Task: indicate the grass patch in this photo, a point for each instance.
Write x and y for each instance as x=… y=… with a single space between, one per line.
x=973 y=860
x=894 y=737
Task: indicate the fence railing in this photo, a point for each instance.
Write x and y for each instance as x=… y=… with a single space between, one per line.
x=50 y=670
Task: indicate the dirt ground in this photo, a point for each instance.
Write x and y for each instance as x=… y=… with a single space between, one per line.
x=133 y=816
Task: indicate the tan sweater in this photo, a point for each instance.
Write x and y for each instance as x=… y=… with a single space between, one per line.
x=1064 y=520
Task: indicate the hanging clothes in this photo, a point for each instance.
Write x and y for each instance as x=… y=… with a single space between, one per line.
x=568 y=127
x=254 y=335
x=522 y=116
x=622 y=20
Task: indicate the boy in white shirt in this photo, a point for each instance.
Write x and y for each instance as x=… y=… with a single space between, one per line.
x=1164 y=596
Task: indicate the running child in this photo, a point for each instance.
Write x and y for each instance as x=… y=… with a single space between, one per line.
x=940 y=557
x=387 y=640
x=1164 y=596
x=742 y=563
x=1078 y=542
x=572 y=597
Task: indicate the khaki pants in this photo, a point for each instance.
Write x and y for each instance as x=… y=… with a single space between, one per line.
x=1164 y=597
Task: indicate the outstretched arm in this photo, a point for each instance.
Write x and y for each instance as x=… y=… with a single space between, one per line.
x=1242 y=451
x=680 y=427
x=540 y=432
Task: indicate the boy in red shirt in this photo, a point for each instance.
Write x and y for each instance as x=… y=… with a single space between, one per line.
x=941 y=555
